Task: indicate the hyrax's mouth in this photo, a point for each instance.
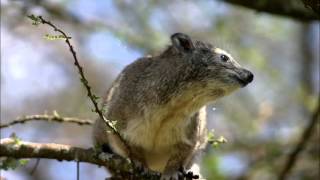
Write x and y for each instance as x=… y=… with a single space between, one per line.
x=241 y=82
x=244 y=78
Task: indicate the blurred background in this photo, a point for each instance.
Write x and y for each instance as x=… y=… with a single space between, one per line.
x=262 y=122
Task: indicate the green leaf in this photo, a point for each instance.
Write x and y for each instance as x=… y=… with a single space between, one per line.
x=23 y=162
x=222 y=140
x=114 y=123
x=215 y=142
x=211 y=135
x=95 y=97
x=12 y=163
x=15 y=138
x=55 y=37
x=35 y=19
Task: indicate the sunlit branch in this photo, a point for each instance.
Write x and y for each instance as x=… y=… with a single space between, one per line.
x=11 y=147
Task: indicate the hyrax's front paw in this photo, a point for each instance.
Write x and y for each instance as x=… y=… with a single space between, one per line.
x=172 y=176
x=139 y=167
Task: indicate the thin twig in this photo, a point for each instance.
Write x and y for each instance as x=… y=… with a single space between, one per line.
x=78 y=170
x=48 y=118
x=293 y=157
x=35 y=167
x=84 y=80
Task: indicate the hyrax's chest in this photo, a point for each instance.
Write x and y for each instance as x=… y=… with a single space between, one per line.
x=157 y=135
x=158 y=131
x=162 y=127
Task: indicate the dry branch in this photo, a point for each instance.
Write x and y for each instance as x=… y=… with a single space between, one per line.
x=288 y=8
x=10 y=148
x=306 y=135
x=47 y=118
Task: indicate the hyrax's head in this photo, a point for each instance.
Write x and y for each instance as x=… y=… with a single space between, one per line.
x=211 y=65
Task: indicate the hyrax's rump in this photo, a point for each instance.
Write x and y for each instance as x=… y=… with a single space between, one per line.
x=159 y=103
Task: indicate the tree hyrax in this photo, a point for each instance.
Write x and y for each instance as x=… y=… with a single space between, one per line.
x=159 y=103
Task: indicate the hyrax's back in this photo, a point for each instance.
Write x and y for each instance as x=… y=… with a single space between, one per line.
x=156 y=102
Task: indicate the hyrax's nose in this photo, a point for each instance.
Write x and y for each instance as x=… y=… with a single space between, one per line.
x=248 y=76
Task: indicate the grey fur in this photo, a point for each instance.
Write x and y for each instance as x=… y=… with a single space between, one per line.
x=156 y=102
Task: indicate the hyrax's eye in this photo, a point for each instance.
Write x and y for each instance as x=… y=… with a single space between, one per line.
x=224 y=58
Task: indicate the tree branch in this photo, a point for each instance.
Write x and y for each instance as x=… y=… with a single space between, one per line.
x=294 y=9
x=83 y=79
x=293 y=157
x=55 y=118
x=313 y=4
x=9 y=147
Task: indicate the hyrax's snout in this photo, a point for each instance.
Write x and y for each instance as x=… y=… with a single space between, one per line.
x=245 y=77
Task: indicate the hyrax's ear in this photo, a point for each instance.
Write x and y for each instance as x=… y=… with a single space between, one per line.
x=182 y=42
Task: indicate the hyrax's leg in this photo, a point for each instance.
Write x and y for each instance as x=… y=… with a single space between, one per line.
x=100 y=136
x=177 y=160
x=104 y=137
x=137 y=155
